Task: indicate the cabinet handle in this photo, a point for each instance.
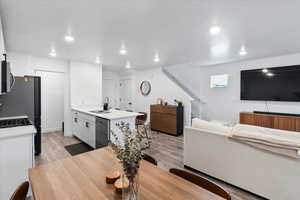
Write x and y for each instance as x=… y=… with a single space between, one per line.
x=75 y=119
x=86 y=124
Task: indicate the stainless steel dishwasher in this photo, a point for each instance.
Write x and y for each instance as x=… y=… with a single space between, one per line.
x=102 y=132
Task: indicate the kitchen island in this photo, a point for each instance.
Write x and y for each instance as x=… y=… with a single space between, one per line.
x=94 y=126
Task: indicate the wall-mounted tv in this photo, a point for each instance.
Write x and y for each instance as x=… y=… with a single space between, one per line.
x=271 y=84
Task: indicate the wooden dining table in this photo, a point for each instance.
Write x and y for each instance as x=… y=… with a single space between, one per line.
x=82 y=177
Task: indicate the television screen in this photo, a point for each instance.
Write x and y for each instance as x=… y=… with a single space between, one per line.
x=271 y=84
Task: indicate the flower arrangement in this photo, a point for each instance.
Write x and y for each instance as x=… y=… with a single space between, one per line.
x=130 y=150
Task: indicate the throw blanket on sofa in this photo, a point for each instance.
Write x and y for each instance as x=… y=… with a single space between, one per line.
x=286 y=143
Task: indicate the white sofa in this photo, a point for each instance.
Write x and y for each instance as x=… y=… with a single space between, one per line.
x=208 y=149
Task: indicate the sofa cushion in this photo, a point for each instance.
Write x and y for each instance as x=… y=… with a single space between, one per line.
x=210 y=126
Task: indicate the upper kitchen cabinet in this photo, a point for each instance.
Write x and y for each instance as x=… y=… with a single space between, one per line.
x=86 y=84
x=2 y=46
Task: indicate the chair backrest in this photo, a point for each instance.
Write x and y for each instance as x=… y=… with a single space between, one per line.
x=202 y=182
x=142 y=117
x=21 y=192
x=150 y=159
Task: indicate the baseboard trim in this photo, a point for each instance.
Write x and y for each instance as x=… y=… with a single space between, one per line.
x=51 y=130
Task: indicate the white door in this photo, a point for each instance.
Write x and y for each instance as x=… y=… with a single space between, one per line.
x=52 y=100
x=109 y=91
x=126 y=94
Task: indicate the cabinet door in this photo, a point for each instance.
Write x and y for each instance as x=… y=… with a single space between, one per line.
x=247 y=118
x=85 y=131
x=264 y=120
x=75 y=126
x=285 y=123
x=92 y=134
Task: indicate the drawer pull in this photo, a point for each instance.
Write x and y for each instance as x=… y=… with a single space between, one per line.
x=86 y=124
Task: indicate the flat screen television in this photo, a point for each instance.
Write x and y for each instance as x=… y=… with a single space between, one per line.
x=271 y=84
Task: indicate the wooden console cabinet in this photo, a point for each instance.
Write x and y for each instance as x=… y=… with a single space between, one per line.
x=167 y=119
x=288 y=123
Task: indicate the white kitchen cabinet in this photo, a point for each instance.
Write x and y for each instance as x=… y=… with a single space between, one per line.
x=75 y=126
x=84 y=128
x=92 y=134
x=16 y=157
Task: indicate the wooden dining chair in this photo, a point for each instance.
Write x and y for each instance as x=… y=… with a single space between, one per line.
x=202 y=182
x=21 y=192
x=150 y=159
x=141 y=119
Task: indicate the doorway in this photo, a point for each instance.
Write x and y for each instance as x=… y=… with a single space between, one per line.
x=126 y=94
x=52 y=100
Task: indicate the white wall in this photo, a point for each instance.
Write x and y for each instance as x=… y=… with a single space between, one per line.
x=114 y=78
x=2 y=46
x=161 y=87
x=24 y=64
x=86 y=84
x=224 y=103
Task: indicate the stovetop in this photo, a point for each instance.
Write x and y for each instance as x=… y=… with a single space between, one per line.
x=9 y=123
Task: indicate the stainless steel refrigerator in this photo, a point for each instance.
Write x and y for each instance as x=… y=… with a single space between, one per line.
x=25 y=99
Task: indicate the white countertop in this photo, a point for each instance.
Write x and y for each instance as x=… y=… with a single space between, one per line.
x=114 y=114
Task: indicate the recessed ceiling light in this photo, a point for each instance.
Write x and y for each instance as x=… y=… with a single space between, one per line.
x=156 y=58
x=123 y=50
x=270 y=74
x=97 y=60
x=214 y=30
x=243 y=51
x=128 y=65
x=265 y=70
x=69 y=38
x=52 y=53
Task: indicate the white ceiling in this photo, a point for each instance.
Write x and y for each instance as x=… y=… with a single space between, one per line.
x=176 y=29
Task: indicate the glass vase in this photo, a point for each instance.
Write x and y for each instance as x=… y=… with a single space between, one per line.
x=131 y=192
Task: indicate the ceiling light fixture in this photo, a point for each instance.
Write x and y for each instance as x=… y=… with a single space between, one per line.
x=97 y=60
x=69 y=38
x=123 y=50
x=243 y=51
x=270 y=74
x=52 y=53
x=156 y=58
x=215 y=30
x=265 y=70
x=128 y=65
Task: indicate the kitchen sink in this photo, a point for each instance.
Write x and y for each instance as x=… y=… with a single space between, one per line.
x=100 y=111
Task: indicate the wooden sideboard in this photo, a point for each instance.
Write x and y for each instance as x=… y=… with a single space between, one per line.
x=167 y=119
x=283 y=122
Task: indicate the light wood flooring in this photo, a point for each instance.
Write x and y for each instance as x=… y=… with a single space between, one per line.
x=167 y=150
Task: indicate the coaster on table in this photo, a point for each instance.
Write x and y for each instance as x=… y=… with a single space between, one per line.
x=120 y=184
x=112 y=176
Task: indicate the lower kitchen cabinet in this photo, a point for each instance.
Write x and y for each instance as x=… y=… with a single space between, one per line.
x=84 y=128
